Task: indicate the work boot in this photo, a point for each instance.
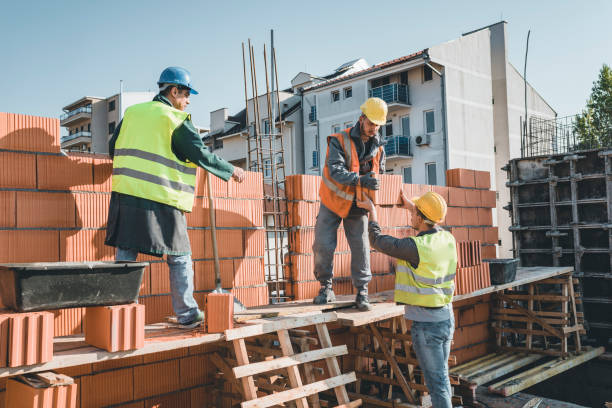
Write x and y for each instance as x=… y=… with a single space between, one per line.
x=362 y=301
x=326 y=295
x=196 y=321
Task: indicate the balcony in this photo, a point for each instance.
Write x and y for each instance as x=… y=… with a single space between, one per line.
x=396 y=95
x=74 y=139
x=76 y=115
x=397 y=146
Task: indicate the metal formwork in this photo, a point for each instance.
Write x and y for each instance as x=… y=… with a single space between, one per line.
x=561 y=213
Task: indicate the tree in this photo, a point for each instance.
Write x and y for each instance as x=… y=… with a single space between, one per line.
x=593 y=127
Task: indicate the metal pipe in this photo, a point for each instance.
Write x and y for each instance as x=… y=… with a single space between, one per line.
x=246 y=109
x=525 y=79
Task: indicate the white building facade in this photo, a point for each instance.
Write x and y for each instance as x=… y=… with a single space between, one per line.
x=453 y=105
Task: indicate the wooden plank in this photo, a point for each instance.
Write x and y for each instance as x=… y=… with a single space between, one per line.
x=379 y=312
x=544 y=298
x=530 y=322
x=284 y=323
x=386 y=333
x=497 y=371
x=496 y=360
x=242 y=358
x=332 y=364
x=352 y=404
x=310 y=377
x=539 y=313
x=391 y=360
x=302 y=392
x=522 y=331
x=542 y=372
x=54 y=379
x=573 y=305
x=536 y=319
x=377 y=402
x=292 y=371
x=392 y=381
x=288 y=361
x=523 y=318
x=462 y=369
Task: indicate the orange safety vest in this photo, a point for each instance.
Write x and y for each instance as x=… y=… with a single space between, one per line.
x=339 y=197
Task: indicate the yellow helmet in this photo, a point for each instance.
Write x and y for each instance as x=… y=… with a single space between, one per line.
x=375 y=109
x=432 y=205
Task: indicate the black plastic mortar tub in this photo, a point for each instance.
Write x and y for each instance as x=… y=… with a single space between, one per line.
x=56 y=285
x=502 y=270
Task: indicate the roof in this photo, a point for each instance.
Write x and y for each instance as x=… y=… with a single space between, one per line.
x=332 y=78
x=80 y=101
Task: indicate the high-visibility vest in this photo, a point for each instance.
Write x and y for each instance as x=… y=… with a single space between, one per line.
x=144 y=164
x=339 y=197
x=432 y=283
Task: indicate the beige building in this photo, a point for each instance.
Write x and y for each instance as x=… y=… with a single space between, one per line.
x=91 y=121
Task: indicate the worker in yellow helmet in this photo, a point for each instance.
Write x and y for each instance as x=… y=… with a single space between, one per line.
x=353 y=157
x=424 y=283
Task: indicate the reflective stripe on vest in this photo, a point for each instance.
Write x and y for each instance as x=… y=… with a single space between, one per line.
x=432 y=283
x=144 y=164
x=337 y=197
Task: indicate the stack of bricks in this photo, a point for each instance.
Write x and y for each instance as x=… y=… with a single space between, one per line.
x=304 y=204
x=54 y=207
x=473 y=336
x=472 y=273
x=470 y=208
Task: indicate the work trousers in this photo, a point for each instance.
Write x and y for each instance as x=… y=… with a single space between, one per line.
x=431 y=342
x=181 y=283
x=326 y=240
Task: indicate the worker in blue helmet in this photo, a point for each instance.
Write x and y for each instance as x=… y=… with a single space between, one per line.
x=156 y=150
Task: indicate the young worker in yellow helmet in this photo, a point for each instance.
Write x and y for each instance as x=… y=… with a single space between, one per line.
x=424 y=283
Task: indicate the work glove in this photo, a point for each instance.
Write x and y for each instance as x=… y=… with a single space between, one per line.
x=368 y=181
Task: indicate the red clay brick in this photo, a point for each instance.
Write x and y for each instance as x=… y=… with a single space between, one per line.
x=199 y=215
x=157 y=308
x=489 y=252
x=303 y=213
x=30 y=338
x=7 y=209
x=20 y=246
x=67 y=322
x=482 y=179
x=91 y=209
x=21 y=395
x=476 y=234
x=160 y=278
x=233 y=213
x=107 y=388
x=472 y=198
x=194 y=370
x=303 y=187
x=443 y=191
x=469 y=216
x=488 y=199
x=154 y=379
x=251 y=186
x=460 y=233
x=17 y=170
x=485 y=216
x=176 y=399
x=491 y=235
x=84 y=245
x=45 y=210
x=249 y=272
x=454 y=216
x=460 y=178
x=64 y=173
x=229 y=243
x=115 y=328
x=30 y=133
x=115 y=363
x=102 y=171
x=219 y=186
x=252 y=296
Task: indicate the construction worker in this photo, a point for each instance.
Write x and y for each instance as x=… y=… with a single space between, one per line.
x=353 y=157
x=424 y=282
x=156 y=150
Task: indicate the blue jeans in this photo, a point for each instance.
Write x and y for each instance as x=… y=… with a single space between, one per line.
x=181 y=282
x=431 y=342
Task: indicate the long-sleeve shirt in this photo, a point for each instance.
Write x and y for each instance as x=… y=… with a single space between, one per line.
x=406 y=249
x=156 y=228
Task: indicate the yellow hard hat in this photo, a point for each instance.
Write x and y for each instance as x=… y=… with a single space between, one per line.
x=375 y=109
x=432 y=205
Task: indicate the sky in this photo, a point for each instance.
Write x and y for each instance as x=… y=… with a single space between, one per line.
x=55 y=52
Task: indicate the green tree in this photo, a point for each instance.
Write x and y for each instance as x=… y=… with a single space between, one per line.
x=593 y=127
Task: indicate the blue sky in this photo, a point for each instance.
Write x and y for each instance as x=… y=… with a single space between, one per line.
x=54 y=52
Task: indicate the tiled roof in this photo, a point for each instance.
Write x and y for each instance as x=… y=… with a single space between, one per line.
x=373 y=68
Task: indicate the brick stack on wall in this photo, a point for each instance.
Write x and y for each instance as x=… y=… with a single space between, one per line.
x=54 y=207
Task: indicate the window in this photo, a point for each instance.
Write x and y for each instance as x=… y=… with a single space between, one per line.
x=427 y=73
x=265 y=126
x=348 y=92
x=315 y=158
x=267 y=168
x=217 y=143
x=430 y=126
x=403 y=78
x=111 y=128
x=387 y=129
x=407 y=173
x=89 y=127
x=111 y=106
x=313 y=113
x=430 y=170
x=406 y=126
x=380 y=82
x=335 y=95
x=348 y=125
x=336 y=129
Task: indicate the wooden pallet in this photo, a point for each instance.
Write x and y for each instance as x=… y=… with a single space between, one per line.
x=538 y=321
x=289 y=363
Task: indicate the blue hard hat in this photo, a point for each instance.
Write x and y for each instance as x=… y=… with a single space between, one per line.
x=178 y=76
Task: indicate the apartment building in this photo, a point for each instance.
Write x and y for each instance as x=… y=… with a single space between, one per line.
x=90 y=121
x=456 y=104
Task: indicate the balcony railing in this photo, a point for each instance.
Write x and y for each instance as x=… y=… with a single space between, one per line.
x=391 y=93
x=75 y=136
x=82 y=109
x=397 y=146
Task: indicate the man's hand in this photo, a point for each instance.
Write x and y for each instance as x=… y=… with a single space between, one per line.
x=368 y=205
x=406 y=203
x=238 y=174
x=368 y=181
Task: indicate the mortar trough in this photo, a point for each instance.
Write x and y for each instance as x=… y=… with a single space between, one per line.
x=29 y=287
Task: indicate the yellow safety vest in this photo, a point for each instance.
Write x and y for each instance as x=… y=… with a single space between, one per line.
x=432 y=283
x=144 y=164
